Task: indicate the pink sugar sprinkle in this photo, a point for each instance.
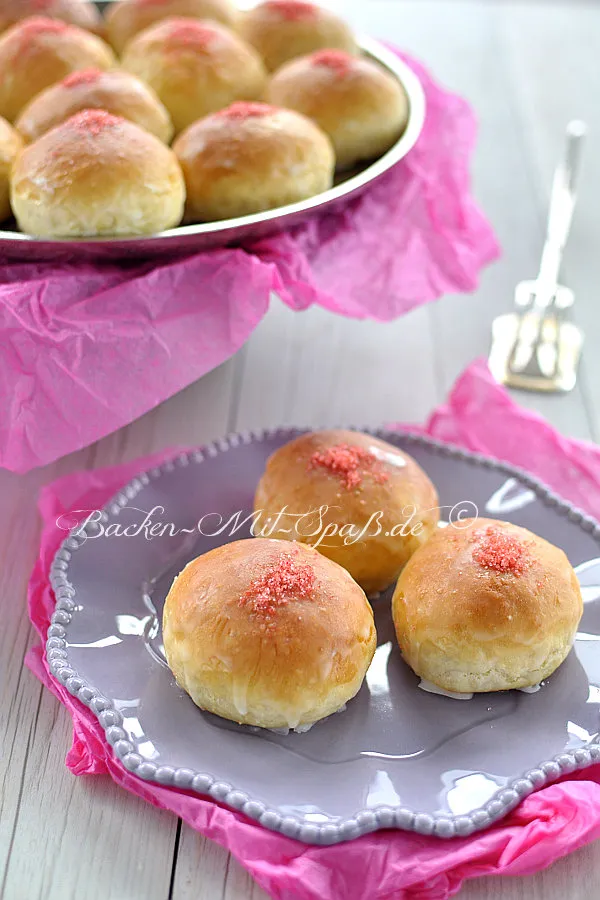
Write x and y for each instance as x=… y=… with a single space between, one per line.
x=380 y=477
x=193 y=33
x=281 y=582
x=84 y=76
x=293 y=10
x=242 y=110
x=333 y=59
x=500 y=551
x=94 y=121
x=350 y=463
x=30 y=28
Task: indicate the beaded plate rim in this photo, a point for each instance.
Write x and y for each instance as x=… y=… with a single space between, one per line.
x=364 y=821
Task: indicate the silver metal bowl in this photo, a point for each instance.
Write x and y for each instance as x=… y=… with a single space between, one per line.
x=244 y=229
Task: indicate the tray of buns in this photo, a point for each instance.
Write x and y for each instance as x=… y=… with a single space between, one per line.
x=336 y=632
x=182 y=125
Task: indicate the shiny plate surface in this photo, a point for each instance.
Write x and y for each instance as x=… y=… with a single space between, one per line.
x=397 y=757
x=245 y=229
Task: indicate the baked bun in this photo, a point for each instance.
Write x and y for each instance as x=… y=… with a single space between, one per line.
x=127 y=18
x=116 y=92
x=10 y=147
x=96 y=175
x=252 y=157
x=268 y=633
x=283 y=29
x=195 y=67
x=488 y=606
x=38 y=52
x=362 y=108
x=362 y=502
x=82 y=13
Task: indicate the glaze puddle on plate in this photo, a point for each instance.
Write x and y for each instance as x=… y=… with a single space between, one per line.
x=398 y=756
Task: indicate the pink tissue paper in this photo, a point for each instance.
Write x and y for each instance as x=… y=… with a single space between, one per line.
x=86 y=348
x=548 y=824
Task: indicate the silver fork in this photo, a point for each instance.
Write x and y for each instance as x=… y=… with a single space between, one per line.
x=533 y=348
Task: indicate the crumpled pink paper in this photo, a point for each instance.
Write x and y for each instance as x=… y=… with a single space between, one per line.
x=404 y=866
x=86 y=348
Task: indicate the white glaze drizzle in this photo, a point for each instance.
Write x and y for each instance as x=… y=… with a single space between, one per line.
x=299 y=729
x=393 y=459
x=434 y=689
x=240 y=696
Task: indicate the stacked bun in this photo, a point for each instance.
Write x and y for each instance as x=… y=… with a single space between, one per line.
x=10 y=147
x=281 y=30
x=82 y=13
x=362 y=108
x=38 y=52
x=276 y=632
x=268 y=633
x=195 y=67
x=126 y=18
x=197 y=70
x=488 y=606
x=115 y=92
x=96 y=174
x=373 y=506
x=249 y=158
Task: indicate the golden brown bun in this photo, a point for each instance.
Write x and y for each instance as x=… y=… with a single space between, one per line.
x=488 y=606
x=82 y=13
x=38 y=52
x=195 y=67
x=283 y=29
x=268 y=633
x=252 y=157
x=362 y=108
x=353 y=479
x=96 y=175
x=127 y=18
x=10 y=147
x=117 y=92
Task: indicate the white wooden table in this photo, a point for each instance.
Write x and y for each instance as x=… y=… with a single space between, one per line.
x=528 y=68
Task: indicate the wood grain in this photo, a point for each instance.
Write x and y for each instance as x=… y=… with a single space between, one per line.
x=97 y=841
x=573 y=878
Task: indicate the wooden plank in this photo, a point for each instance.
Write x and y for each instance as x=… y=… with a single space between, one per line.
x=552 y=56
x=96 y=841
x=205 y=871
x=52 y=816
x=203 y=865
x=315 y=368
x=467 y=51
x=574 y=877
x=19 y=698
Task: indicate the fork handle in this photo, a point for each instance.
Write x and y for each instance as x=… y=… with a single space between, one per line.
x=562 y=205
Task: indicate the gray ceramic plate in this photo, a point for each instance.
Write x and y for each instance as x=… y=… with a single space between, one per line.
x=397 y=757
x=193 y=238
